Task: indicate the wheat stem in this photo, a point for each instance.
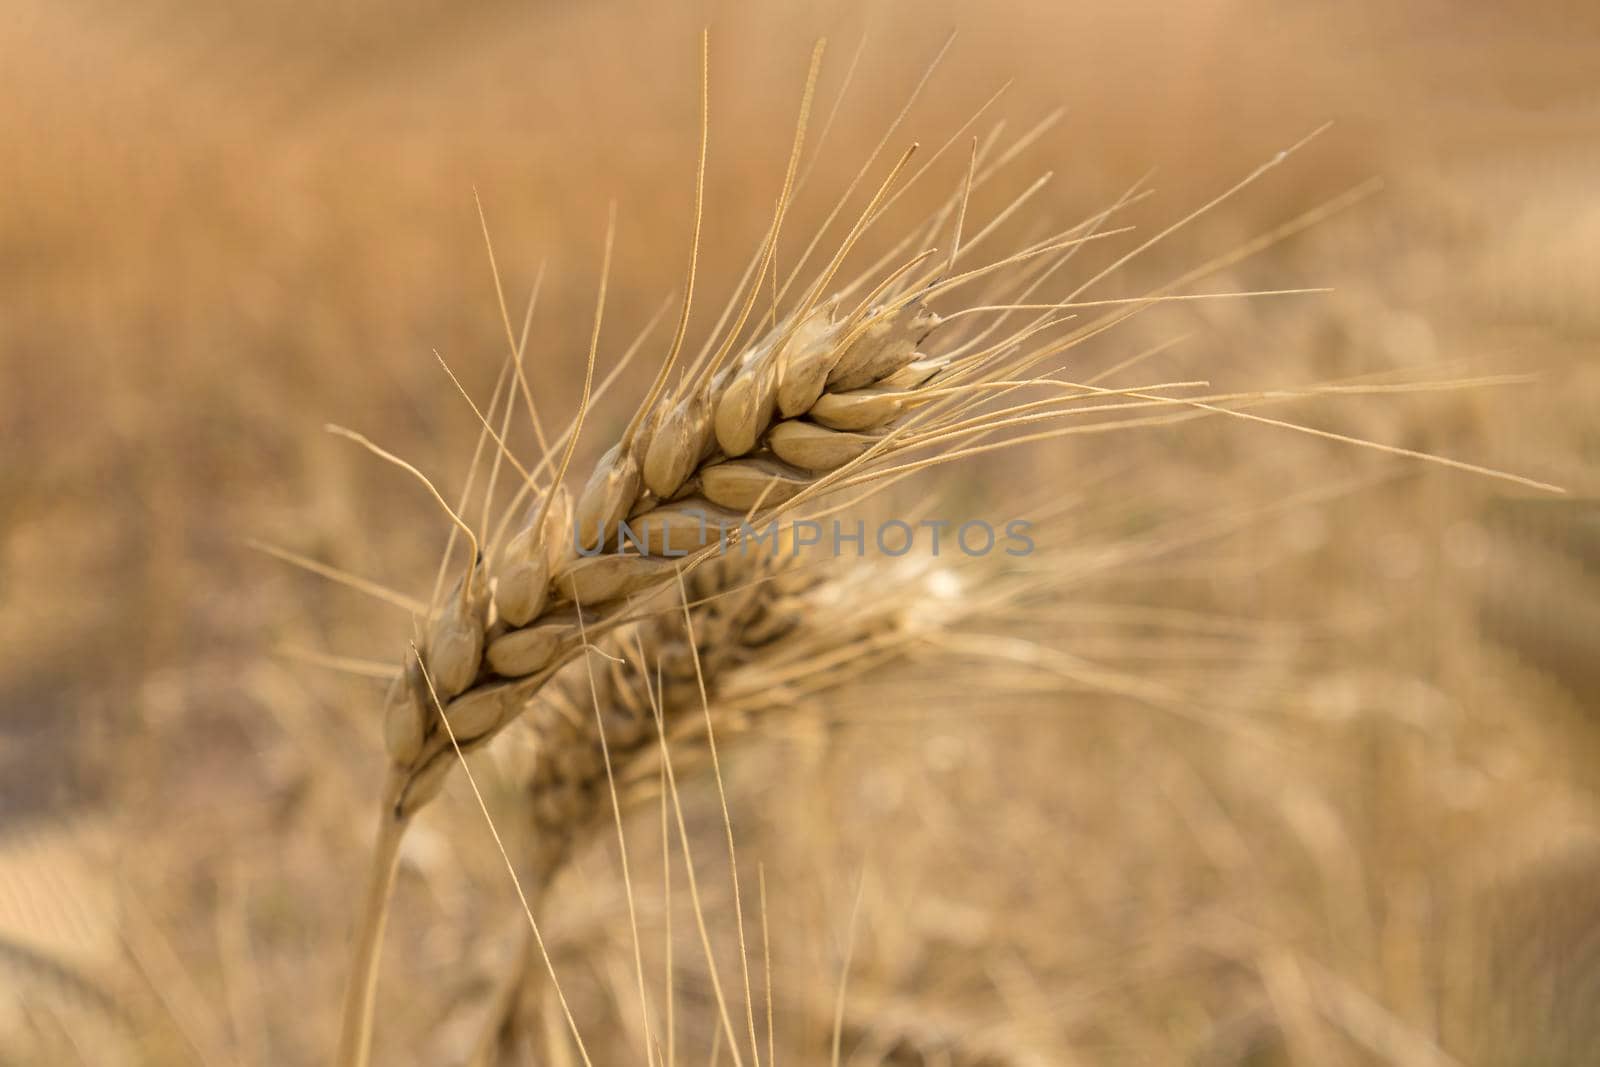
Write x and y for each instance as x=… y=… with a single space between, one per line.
x=355 y=1032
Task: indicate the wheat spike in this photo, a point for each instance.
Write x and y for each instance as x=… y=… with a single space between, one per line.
x=854 y=384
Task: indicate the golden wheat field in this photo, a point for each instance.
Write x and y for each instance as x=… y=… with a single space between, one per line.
x=1280 y=746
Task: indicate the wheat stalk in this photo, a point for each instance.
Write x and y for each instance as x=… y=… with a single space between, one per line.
x=856 y=384
x=822 y=399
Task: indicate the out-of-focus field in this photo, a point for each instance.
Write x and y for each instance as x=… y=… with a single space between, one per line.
x=1328 y=795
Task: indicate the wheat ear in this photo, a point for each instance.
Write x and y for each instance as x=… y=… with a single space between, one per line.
x=841 y=391
x=822 y=399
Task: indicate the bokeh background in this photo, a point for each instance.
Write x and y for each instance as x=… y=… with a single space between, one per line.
x=223 y=225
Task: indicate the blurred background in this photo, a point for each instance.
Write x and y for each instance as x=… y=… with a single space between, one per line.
x=223 y=225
